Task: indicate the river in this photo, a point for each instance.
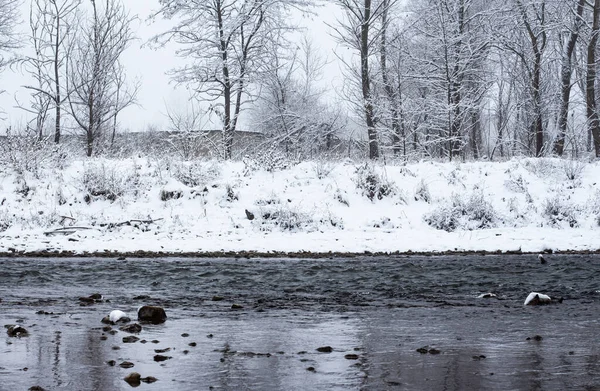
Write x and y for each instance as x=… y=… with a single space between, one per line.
x=373 y=312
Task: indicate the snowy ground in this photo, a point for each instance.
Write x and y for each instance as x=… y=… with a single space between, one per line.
x=529 y=205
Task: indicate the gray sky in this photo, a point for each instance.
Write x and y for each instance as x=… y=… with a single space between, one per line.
x=150 y=67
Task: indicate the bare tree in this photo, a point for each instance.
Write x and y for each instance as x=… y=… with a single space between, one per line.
x=591 y=79
x=289 y=109
x=566 y=76
x=52 y=24
x=359 y=31
x=533 y=17
x=9 y=40
x=227 y=43
x=96 y=76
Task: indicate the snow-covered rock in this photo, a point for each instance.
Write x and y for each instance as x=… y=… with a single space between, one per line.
x=535 y=298
x=116 y=315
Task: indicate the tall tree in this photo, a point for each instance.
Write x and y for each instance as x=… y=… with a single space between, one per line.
x=227 y=44
x=566 y=76
x=450 y=51
x=52 y=24
x=95 y=72
x=9 y=40
x=591 y=79
x=534 y=21
x=359 y=30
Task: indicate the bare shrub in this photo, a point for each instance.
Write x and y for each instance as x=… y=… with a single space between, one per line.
x=269 y=160
x=102 y=181
x=194 y=174
x=341 y=197
x=472 y=213
x=573 y=169
x=559 y=211
x=516 y=184
x=422 y=192
x=323 y=168
x=371 y=184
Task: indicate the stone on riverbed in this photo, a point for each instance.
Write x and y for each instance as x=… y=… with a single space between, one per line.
x=116 y=316
x=133 y=379
x=16 y=331
x=131 y=328
x=152 y=314
x=535 y=298
x=130 y=339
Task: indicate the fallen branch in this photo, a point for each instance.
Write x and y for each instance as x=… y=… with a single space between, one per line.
x=64 y=231
x=130 y=222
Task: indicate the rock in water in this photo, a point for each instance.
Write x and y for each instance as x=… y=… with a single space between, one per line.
x=16 y=331
x=152 y=314
x=131 y=328
x=133 y=379
x=542 y=259
x=118 y=316
x=535 y=298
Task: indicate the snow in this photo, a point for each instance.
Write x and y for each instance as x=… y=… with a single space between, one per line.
x=116 y=315
x=163 y=205
x=540 y=296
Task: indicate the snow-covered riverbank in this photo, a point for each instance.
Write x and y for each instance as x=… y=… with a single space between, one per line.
x=168 y=206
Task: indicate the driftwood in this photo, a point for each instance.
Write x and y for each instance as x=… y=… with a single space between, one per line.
x=64 y=231
x=131 y=222
x=70 y=230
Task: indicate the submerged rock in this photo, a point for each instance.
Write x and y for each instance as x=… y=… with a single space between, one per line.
x=131 y=328
x=149 y=379
x=325 y=349
x=160 y=357
x=152 y=314
x=126 y=364
x=130 y=339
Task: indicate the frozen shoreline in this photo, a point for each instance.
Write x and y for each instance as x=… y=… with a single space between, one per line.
x=292 y=245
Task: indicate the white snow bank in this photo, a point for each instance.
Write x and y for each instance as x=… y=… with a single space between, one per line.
x=142 y=204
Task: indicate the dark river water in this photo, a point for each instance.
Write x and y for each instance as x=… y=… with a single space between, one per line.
x=373 y=312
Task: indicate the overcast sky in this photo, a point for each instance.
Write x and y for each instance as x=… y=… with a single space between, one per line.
x=150 y=67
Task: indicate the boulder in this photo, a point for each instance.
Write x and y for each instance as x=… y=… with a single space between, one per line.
x=152 y=314
x=16 y=331
x=118 y=316
x=535 y=298
x=134 y=379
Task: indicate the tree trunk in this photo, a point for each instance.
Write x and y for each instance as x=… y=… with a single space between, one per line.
x=454 y=89
x=57 y=98
x=389 y=90
x=227 y=90
x=538 y=45
x=592 y=112
x=538 y=128
x=366 y=82
x=566 y=72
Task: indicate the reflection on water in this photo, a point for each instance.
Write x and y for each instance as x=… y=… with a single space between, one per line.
x=374 y=313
